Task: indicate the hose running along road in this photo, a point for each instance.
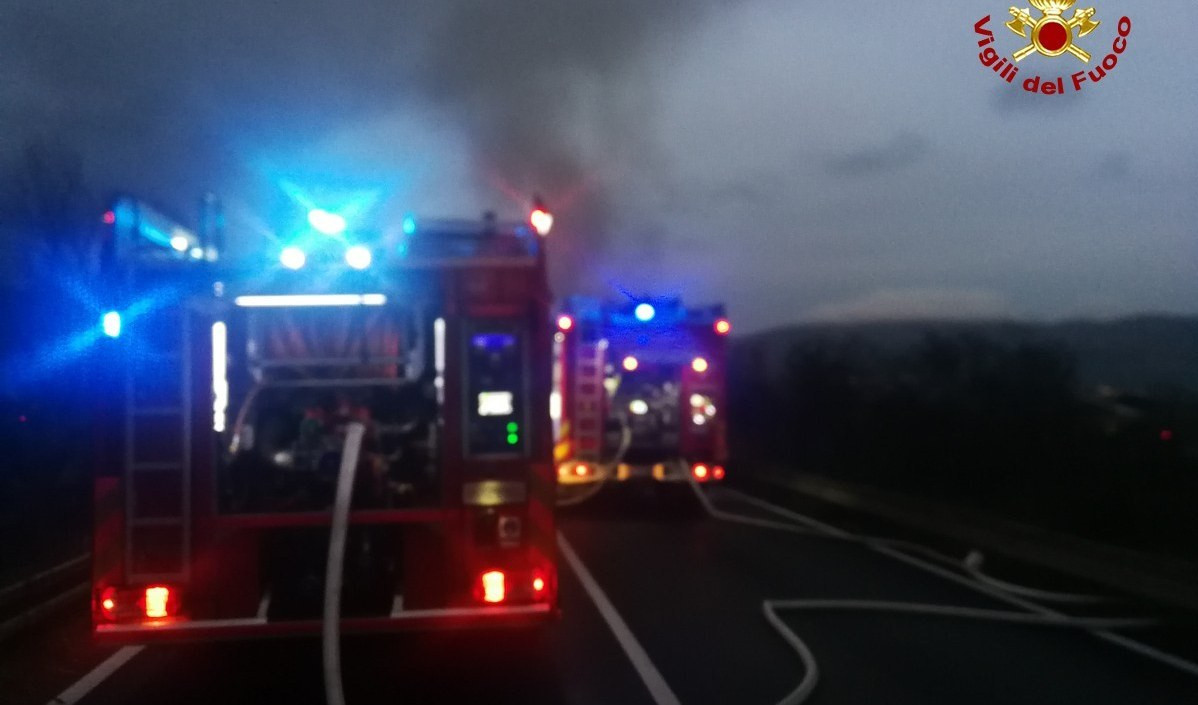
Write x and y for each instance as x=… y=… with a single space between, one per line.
x=330 y=633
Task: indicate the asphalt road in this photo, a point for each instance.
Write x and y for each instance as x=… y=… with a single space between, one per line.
x=689 y=589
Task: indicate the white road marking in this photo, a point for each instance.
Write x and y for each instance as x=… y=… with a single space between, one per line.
x=98 y=675
x=659 y=690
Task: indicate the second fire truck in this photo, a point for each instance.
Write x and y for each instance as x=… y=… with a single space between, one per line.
x=638 y=393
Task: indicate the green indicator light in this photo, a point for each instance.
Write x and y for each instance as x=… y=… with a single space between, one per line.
x=512 y=427
x=512 y=439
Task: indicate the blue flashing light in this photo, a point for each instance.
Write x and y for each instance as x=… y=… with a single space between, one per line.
x=409 y=225
x=111 y=323
x=325 y=222
x=292 y=258
x=644 y=312
x=358 y=257
x=155 y=235
x=124 y=214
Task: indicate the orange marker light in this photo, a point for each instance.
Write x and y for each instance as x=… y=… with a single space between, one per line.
x=108 y=603
x=580 y=470
x=157 y=598
x=722 y=326
x=493 y=587
x=541 y=221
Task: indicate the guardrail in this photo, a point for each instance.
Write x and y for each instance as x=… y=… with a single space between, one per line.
x=33 y=598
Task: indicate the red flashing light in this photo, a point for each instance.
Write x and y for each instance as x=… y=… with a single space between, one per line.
x=700 y=471
x=109 y=217
x=564 y=323
x=717 y=473
x=722 y=326
x=493 y=588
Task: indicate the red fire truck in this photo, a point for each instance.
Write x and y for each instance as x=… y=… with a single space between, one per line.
x=229 y=388
x=638 y=393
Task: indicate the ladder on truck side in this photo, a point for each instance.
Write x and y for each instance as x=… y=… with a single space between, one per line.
x=157 y=458
x=589 y=398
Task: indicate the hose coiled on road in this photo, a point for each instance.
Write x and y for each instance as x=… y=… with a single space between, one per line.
x=1035 y=614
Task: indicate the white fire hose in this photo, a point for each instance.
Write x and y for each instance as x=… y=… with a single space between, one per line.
x=330 y=633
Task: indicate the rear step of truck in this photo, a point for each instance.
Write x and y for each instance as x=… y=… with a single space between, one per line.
x=294 y=571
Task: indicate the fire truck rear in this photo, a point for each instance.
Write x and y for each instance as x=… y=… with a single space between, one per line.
x=229 y=389
x=638 y=393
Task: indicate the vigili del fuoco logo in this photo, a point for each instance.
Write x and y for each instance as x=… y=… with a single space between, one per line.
x=1053 y=36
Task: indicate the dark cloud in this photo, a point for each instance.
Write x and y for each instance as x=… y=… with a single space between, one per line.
x=900 y=151
x=170 y=99
x=712 y=148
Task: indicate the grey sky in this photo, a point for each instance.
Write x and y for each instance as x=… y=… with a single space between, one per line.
x=798 y=159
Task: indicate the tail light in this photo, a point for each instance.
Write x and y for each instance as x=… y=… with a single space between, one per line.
x=515 y=585
x=717 y=473
x=108 y=604
x=159 y=601
x=540 y=587
x=575 y=469
x=700 y=471
x=132 y=604
x=493 y=586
